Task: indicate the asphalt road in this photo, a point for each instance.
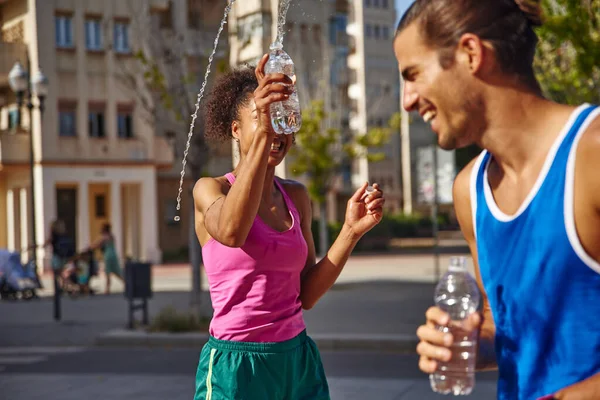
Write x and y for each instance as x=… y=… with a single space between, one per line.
x=67 y=373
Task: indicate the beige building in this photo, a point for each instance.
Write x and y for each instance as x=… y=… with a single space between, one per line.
x=374 y=91
x=343 y=55
x=96 y=155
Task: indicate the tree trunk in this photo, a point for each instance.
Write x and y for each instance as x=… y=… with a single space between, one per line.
x=195 y=254
x=323 y=234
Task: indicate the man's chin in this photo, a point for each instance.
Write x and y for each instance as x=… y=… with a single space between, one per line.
x=446 y=143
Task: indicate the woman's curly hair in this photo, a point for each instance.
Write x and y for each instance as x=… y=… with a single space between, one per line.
x=230 y=92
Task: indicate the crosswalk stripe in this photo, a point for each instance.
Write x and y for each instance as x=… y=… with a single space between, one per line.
x=40 y=350
x=22 y=360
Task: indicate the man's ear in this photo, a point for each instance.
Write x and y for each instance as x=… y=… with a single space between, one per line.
x=471 y=52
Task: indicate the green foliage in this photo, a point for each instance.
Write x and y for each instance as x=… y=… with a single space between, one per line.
x=567 y=63
x=390 y=227
x=173 y=321
x=320 y=152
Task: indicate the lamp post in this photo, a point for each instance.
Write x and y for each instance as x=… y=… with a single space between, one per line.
x=26 y=89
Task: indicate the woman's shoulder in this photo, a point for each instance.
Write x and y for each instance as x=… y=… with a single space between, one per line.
x=209 y=185
x=298 y=193
x=293 y=187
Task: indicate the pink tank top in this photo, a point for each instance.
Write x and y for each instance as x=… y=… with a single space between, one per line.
x=255 y=289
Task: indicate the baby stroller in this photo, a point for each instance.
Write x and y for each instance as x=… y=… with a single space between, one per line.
x=78 y=275
x=17 y=280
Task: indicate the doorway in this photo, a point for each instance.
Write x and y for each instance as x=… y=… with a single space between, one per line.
x=66 y=210
x=99 y=208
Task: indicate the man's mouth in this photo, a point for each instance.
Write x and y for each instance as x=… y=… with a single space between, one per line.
x=429 y=115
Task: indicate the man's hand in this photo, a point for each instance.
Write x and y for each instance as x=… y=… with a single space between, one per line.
x=434 y=346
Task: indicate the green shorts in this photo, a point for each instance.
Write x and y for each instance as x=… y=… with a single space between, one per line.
x=290 y=370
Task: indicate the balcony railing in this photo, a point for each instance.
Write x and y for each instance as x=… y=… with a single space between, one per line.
x=10 y=53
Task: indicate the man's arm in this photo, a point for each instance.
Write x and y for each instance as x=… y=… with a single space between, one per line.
x=486 y=356
x=587 y=220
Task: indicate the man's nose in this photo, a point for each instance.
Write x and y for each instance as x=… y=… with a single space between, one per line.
x=410 y=98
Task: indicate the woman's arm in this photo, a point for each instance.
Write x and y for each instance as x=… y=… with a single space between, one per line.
x=362 y=214
x=228 y=218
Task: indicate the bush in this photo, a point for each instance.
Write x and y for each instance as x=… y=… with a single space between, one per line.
x=177 y=255
x=333 y=230
x=173 y=321
x=391 y=226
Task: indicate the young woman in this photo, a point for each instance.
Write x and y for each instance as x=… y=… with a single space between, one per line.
x=259 y=254
x=112 y=266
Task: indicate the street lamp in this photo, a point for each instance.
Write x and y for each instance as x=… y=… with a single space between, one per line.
x=25 y=88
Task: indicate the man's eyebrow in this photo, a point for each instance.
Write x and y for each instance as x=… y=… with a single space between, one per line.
x=408 y=71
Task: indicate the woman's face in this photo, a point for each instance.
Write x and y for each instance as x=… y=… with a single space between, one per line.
x=244 y=130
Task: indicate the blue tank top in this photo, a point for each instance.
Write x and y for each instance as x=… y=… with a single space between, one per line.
x=543 y=288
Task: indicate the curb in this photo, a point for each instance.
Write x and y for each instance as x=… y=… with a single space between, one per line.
x=325 y=341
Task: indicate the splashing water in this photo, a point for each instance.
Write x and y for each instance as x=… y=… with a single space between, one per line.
x=199 y=98
x=284 y=5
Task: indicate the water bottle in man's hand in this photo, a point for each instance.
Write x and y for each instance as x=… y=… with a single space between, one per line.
x=458 y=295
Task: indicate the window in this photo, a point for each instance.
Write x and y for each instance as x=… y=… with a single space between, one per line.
x=96 y=121
x=251 y=27
x=66 y=123
x=194 y=14
x=385 y=32
x=93 y=34
x=121 y=37
x=163 y=17
x=384 y=3
x=100 y=202
x=317 y=33
x=367 y=3
x=125 y=122
x=67 y=120
x=13 y=119
x=376 y=31
x=368 y=31
x=63 y=25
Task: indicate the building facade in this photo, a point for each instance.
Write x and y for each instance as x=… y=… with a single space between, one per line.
x=374 y=90
x=96 y=155
x=343 y=55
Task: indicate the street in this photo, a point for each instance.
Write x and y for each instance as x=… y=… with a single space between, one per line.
x=103 y=373
x=375 y=297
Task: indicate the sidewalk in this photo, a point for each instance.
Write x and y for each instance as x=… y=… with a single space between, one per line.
x=377 y=303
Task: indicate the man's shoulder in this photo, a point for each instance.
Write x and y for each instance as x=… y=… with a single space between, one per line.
x=588 y=161
x=462 y=183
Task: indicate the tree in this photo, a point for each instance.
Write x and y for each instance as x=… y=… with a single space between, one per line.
x=165 y=76
x=321 y=153
x=567 y=63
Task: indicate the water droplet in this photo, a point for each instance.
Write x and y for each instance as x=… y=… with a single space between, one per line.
x=198 y=100
x=177 y=218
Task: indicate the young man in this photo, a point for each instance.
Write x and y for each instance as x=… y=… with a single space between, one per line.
x=529 y=205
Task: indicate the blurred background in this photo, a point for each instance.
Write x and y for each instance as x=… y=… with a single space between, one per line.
x=95 y=105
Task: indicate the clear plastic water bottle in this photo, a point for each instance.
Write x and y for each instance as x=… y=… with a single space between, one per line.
x=458 y=295
x=286 y=117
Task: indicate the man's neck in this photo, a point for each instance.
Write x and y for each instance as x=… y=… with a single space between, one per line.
x=521 y=127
